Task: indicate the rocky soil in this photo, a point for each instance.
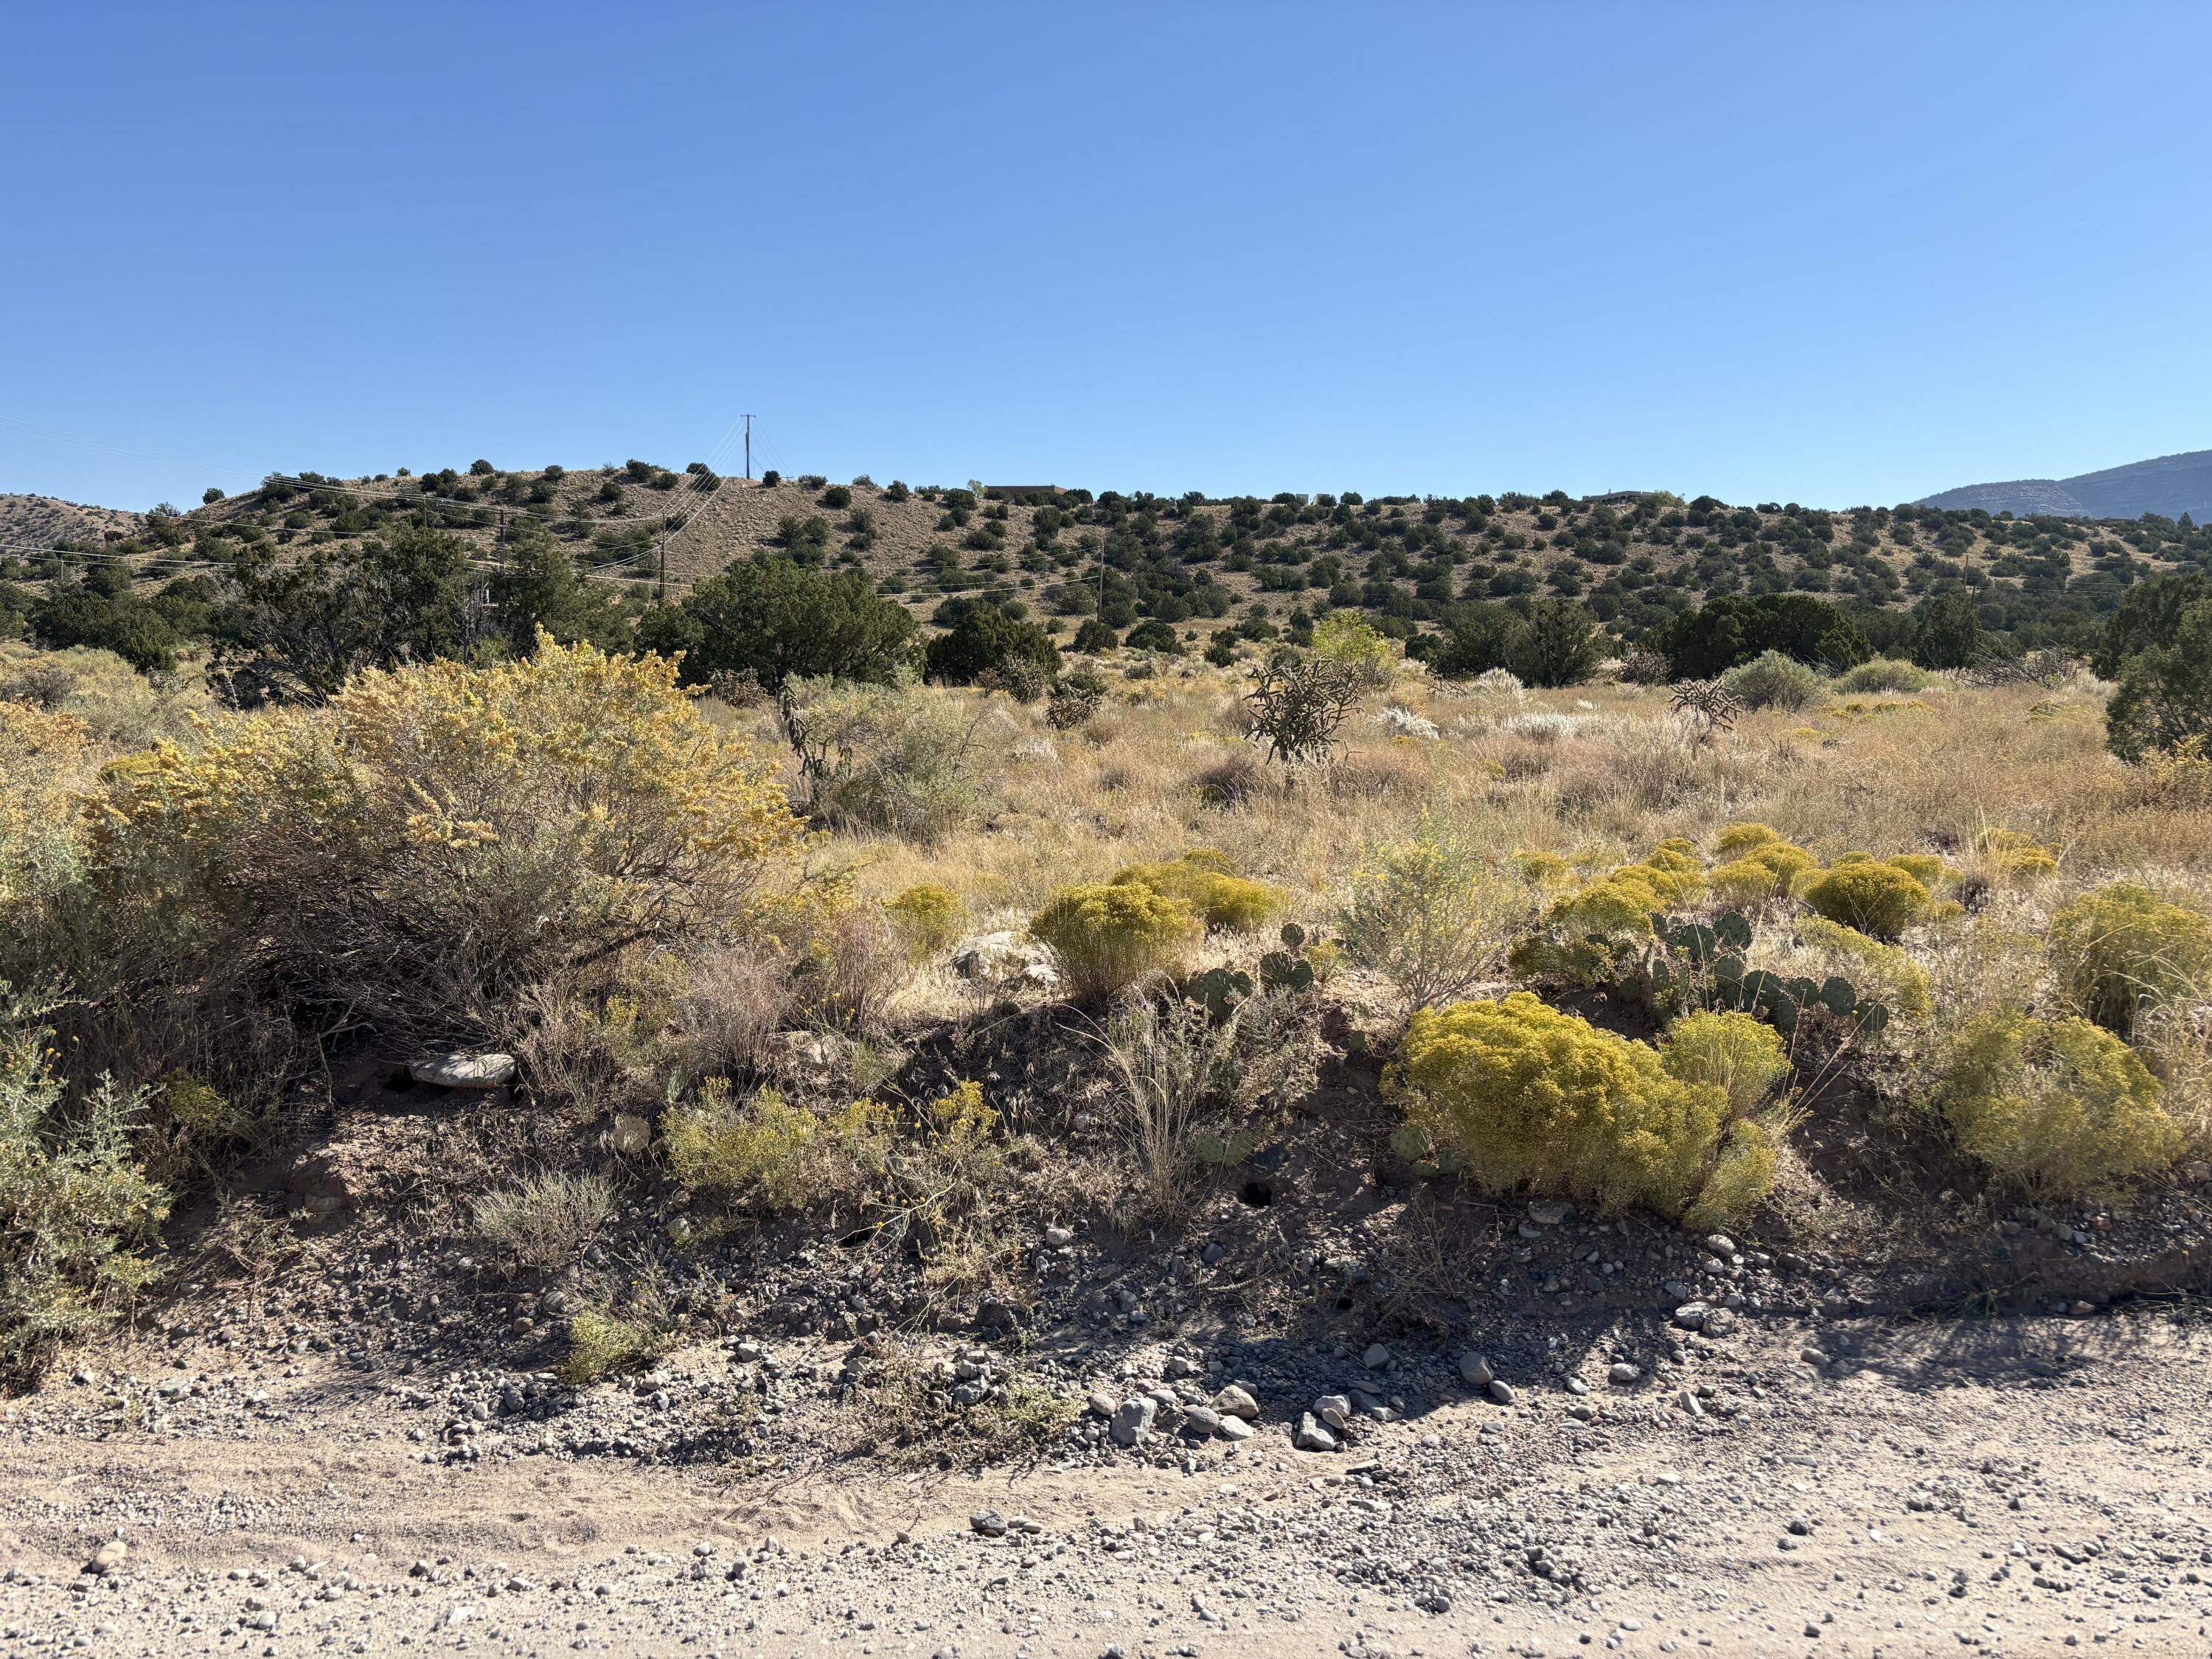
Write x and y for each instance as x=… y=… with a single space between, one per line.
x=1800 y=1485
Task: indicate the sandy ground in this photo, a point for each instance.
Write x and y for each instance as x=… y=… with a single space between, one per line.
x=2017 y=1486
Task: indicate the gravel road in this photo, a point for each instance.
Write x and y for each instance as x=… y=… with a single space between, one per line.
x=2015 y=1486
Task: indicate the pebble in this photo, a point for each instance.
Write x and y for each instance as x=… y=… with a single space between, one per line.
x=989 y=1522
x=1474 y=1368
x=1501 y=1391
x=1623 y=1374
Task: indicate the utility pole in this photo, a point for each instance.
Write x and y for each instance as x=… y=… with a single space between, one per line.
x=664 y=561
x=749 y=449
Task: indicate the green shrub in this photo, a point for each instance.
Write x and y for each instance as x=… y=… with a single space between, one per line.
x=2165 y=693
x=926 y=917
x=1370 y=657
x=1429 y=914
x=1883 y=674
x=600 y=1344
x=1522 y=1094
x=987 y=642
x=1109 y=935
x=2059 y=1107
x=1874 y=898
x=1772 y=680
x=2121 y=948
x=773 y=1156
x=768 y=619
x=77 y=1212
x=1205 y=881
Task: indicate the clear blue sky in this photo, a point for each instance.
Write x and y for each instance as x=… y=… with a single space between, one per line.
x=1826 y=253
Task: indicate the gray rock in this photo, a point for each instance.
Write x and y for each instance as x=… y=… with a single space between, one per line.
x=1235 y=1428
x=463 y=1071
x=1133 y=1421
x=1215 y=1253
x=1005 y=958
x=1474 y=1369
x=1377 y=1357
x=1234 y=1401
x=1312 y=1437
x=1691 y=1315
x=109 y=1558
x=1057 y=1237
x=1550 y=1212
x=1101 y=1403
x=1721 y=1245
x=989 y=1522
x=1334 y=1409
x=1622 y=1375
x=1501 y=1391
x=1719 y=1322
x=1204 y=1419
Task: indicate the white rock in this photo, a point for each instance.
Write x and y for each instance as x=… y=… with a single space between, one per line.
x=1312 y=1437
x=463 y=1071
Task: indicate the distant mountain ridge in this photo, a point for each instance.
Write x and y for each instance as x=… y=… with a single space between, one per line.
x=2169 y=486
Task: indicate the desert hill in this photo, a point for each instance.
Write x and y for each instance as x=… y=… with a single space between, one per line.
x=2168 y=486
x=1192 y=564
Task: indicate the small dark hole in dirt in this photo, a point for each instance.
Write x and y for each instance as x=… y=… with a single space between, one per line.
x=1258 y=1193
x=858 y=1236
x=400 y=1081
x=1344 y=1304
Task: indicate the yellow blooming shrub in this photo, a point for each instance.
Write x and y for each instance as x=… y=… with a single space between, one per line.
x=2060 y=1107
x=926 y=917
x=45 y=757
x=440 y=835
x=1205 y=881
x=1109 y=935
x=1523 y=1095
x=1870 y=896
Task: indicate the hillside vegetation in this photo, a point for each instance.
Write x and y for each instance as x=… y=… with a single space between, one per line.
x=1185 y=574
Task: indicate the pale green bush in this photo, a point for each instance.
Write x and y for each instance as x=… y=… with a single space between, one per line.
x=1772 y=680
x=2062 y=1108
x=78 y=1213
x=545 y=1220
x=1431 y=915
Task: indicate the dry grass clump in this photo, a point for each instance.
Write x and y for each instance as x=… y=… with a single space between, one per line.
x=545 y=1220
x=2121 y=948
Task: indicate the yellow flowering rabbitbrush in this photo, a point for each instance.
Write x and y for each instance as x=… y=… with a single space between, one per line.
x=1523 y=1095
x=440 y=835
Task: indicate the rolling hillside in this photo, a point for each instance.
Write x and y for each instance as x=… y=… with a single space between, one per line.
x=1193 y=564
